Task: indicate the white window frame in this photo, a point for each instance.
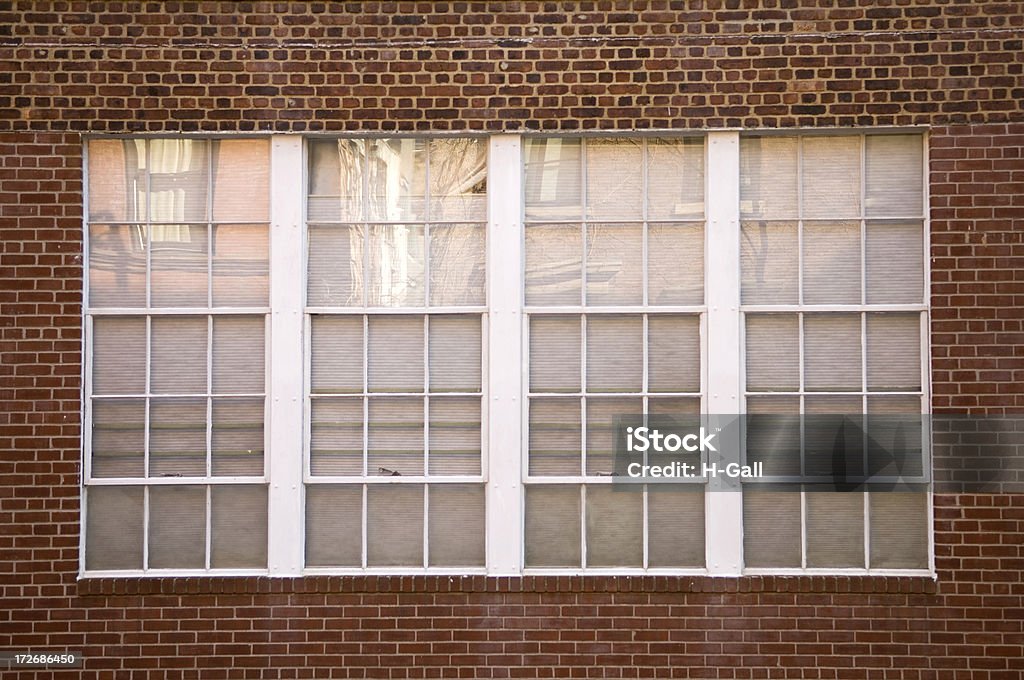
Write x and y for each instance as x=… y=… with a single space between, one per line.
x=504 y=412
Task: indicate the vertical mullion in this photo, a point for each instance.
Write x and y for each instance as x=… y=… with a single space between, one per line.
x=583 y=221
x=583 y=525
x=645 y=227
x=149 y=374
x=364 y=523
x=145 y=528
x=584 y=320
x=287 y=392
x=149 y=227
x=209 y=223
x=505 y=339
x=426 y=394
x=426 y=525
x=800 y=220
x=366 y=393
x=209 y=525
x=209 y=395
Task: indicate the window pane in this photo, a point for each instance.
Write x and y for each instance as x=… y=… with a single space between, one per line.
x=615 y=264
x=601 y=415
x=456 y=527
x=397 y=263
x=336 y=174
x=397 y=179
x=553 y=180
x=117 y=265
x=334 y=525
x=553 y=526
x=668 y=283
x=554 y=264
x=555 y=436
x=673 y=347
x=555 y=353
x=395 y=353
x=178 y=350
x=831 y=177
x=832 y=352
x=675 y=178
x=178 y=259
x=768 y=177
x=835 y=529
x=241 y=269
x=614 y=178
x=119 y=355
x=241 y=180
x=336 y=437
x=773 y=434
x=895 y=172
x=117 y=180
x=832 y=263
x=768 y=255
x=899 y=530
x=177 y=437
x=237 y=437
x=238 y=523
x=458 y=179
x=178 y=180
x=177 y=527
x=615 y=534
x=771 y=528
x=457 y=273
x=114 y=527
x=394 y=526
x=895 y=262
x=615 y=354
x=455 y=425
x=335 y=266
x=773 y=352
x=118 y=437
x=894 y=352
x=675 y=527
x=239 y=364
x=455 y=353
x=336 y=362
x=395 y=436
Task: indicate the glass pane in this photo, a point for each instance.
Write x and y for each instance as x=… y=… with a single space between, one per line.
x=615 y=533
x=894 y=175
x=455 y=353
x=178 y=180
x=238 y=522
x=117 y=180
x=458 y=179
x=768 y=256
x=668 y=245
x=555 y=436
x=335 y=180
x=675 y=527
x=178 y=259
x=395 y=437
x=773 y=434
x=239 y=362
x=553 y=179
x=395 y=353
x=832 y=352
x=241 y=180
x=335 y=266
x=773 y=352
x=675 y=178
x=831 y=177
x=771 y=528
x=334 y=526
x=831 y=263
x=457 y=272
x=117 y=265
x=177 y=438
x=615 y=353
x=553 y=526
x=601 y=415
x=768 y=177
x=615 y=264
x=114 y=527
x=835 y=529
x=178 y=355
x=455 y=436
x=241 y=269
x=336 y=345
x=118 y=437
x=396 y=266
x=895 y=262
x=119 y=355
x=894 y=352
x=555 y=353
x=673 y=406
x=456 y=527
x=336 y=437
x=177 y=527
x=614 y=178
x=673 y=353
x=237 y=437
x=899 y=530
x=554 y=264
x=397 y=179
x=394 y=525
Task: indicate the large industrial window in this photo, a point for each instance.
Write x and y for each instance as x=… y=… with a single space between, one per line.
x=408 y=354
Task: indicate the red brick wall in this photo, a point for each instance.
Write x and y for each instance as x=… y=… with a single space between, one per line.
x=73 y=67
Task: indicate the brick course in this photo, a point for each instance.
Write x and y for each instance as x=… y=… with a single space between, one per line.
x=71 y=68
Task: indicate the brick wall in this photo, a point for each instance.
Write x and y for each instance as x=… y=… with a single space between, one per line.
x=68 y=68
